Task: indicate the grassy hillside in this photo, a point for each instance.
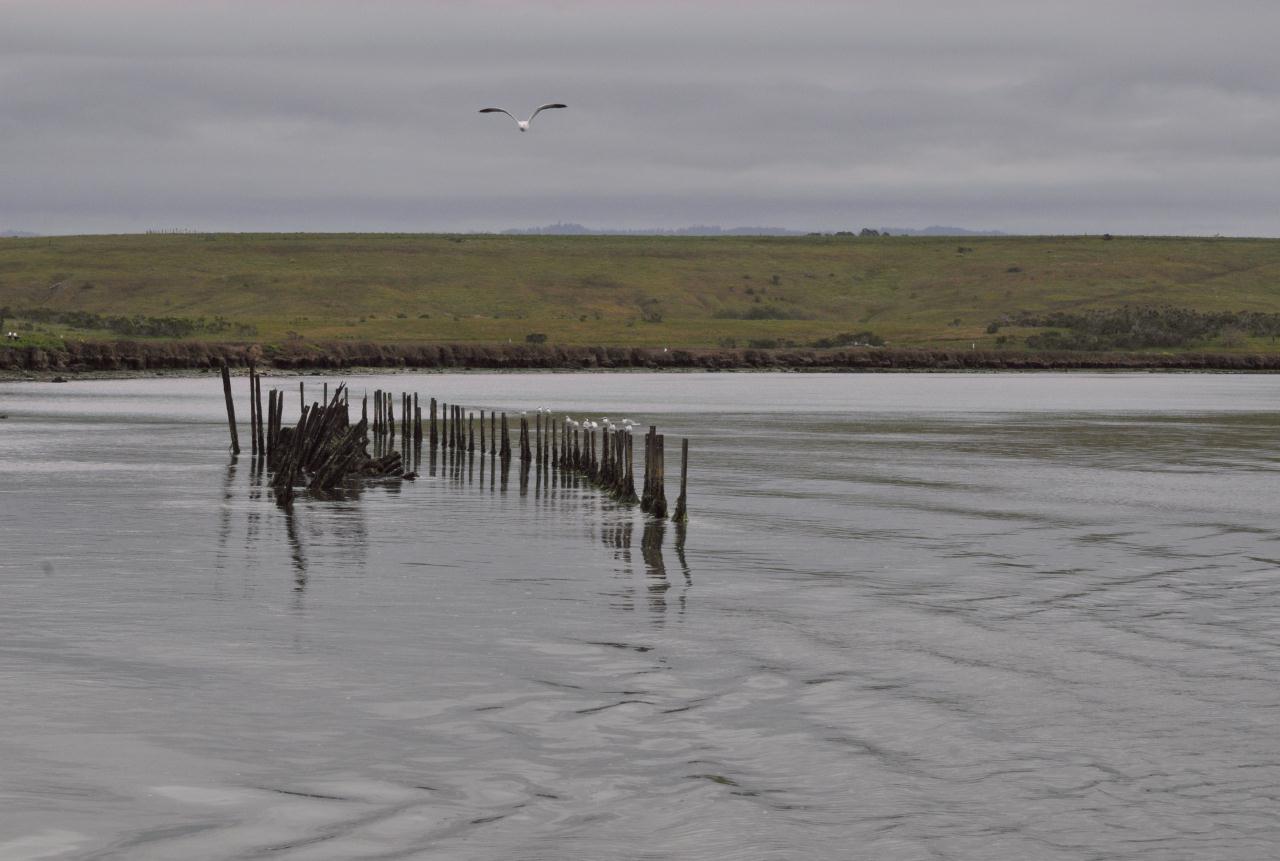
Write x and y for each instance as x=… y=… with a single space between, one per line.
x=632 y=291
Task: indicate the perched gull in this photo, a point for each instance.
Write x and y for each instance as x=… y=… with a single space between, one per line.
x=523 y=124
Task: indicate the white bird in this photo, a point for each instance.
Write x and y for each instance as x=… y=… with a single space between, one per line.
x=523 y=124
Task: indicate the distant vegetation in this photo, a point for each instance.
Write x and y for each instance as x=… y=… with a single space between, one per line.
x=1140 y=328
x=1080 y=293
x=136 y=326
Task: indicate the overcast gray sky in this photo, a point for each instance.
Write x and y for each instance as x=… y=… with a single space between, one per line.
x=1054 y=117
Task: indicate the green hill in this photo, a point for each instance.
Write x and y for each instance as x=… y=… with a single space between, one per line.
x=629 y=291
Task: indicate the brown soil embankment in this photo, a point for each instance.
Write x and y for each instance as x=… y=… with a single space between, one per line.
x=174 y=355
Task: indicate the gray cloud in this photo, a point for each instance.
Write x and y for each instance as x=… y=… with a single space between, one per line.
x=228 y=114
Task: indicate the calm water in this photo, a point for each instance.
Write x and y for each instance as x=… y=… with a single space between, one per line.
x=912 y=617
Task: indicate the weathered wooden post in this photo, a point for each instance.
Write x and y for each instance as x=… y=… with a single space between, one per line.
x=231 y=408
x=659 y=509
x=302 y=395
x=253 y=416
x=271 y=421
x=417 y=420
x=682 y=514
x=257 y=383
x=471 y=433
x=646 y=491
x=482 y=448
x=493 y=432
x=435 y=439
x=629 y=492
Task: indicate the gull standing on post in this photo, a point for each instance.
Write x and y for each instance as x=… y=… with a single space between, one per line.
x=523 y=124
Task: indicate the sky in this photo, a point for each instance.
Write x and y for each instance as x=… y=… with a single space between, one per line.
x=1123 y=116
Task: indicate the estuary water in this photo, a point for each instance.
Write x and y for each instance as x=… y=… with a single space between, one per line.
x=911 y=617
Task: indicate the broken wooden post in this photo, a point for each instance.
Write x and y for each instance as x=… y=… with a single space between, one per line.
x=659 y=507
x=231 y=408
x=257 y=383
x=682 y=513
x=253 y=416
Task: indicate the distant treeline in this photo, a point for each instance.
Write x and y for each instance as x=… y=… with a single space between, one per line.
x=137 y=326
x=1140 y=327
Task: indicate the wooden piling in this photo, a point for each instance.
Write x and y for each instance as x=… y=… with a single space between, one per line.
x=629 y=491
x=257 y=395
x=253 y=416
x=682 y=514
x=435 y=438
x=271 y=422
x=231 y=408
x=659 y=508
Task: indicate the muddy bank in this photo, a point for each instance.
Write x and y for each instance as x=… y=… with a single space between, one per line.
x=111 y=356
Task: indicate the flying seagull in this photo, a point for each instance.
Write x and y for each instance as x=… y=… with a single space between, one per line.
x=523 y=124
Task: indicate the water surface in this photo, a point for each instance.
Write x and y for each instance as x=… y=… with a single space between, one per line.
x=911 y=617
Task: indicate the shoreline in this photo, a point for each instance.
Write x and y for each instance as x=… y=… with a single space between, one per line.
x=115 y=359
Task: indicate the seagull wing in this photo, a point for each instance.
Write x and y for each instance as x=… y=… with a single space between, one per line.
x=545 y=108
x=498 y=111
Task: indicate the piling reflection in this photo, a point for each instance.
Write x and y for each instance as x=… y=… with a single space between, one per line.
x=338 y=524
x=575 y=474
x=649 y=583
x=224 y=513
x=296 y=553
x=655 y=531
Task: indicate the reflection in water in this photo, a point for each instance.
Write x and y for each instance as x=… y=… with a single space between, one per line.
x=295 y=551
x=655 y=530
x=618 y=535
x=338 y=521
x=224 y=514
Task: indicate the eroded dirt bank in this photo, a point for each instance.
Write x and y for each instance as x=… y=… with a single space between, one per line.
x=175 y=355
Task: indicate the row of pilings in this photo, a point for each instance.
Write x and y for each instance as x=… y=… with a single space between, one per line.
x=325 y=449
